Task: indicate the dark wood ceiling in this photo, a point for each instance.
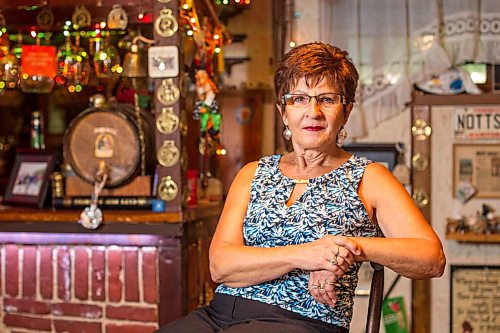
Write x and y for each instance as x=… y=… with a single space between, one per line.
x=21 y=14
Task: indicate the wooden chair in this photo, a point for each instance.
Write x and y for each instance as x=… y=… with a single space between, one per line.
x=376 y=299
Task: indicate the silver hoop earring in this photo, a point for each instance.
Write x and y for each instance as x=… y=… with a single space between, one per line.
x=287 y=134
x=341 y=136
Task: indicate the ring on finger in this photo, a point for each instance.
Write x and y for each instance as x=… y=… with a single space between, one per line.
x=316 y=286
x=338 y=251
x=334 y=260
x=329 y=283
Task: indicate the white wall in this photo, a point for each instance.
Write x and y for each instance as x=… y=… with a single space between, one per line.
x=443 y=206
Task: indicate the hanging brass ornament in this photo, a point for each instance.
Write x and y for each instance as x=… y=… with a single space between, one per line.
x=183 y=126
x=164 y=1
x=421 y=130
x=168 y=94
x=167 y=189
x=3 y=22
x=184 y=160
x=420 y=197
x=419 y=162
x=117 y=18
x=45 y=19
x=168 y=154
x=167 y=121
x=207 y=146
x=81 y=17
x=166 y=24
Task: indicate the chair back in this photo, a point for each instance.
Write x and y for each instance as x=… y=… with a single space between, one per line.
x=376 y=299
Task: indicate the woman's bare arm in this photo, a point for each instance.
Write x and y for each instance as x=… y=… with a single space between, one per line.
x=411 y=248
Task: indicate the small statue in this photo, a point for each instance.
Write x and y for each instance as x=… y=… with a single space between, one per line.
x=206 y=108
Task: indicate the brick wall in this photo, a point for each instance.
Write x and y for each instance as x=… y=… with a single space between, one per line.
x=78 y=288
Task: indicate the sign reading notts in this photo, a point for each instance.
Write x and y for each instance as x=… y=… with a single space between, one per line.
x=481 y=122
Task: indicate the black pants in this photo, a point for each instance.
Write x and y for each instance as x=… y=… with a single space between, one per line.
x=232 y=314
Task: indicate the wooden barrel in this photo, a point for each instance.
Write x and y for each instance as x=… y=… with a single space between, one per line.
x=109 y=134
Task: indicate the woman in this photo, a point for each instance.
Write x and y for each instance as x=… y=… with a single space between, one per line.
x=295 y=228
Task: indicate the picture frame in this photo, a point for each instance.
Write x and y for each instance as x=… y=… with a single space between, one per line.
x=29 y=179
x=384 y=153
x=472 y=302
x=476 y=166
x=163 y=61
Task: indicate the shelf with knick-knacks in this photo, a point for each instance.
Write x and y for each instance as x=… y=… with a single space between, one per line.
x=473 y=238
x=482 y=227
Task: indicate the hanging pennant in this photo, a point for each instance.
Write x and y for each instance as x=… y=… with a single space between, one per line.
x=117 y=18
x=81 y=17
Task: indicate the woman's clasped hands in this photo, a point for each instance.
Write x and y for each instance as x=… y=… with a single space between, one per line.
x=332 y=257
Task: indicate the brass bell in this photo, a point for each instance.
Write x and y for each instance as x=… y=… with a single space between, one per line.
x=135 y=63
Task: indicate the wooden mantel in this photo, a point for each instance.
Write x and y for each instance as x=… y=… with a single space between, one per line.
x=115 y=221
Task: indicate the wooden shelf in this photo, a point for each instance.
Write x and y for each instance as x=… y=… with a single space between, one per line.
x=473 y=238
x=460 y=99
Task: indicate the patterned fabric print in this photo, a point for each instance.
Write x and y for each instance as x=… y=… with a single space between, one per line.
x=329 y=205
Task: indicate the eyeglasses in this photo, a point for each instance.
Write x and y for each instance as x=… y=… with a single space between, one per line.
x=326 y=100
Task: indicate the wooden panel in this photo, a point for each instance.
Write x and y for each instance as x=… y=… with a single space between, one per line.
x=139 y=186
x=242 y=140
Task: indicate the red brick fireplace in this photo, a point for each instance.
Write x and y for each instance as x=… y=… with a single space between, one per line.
x=76 y=288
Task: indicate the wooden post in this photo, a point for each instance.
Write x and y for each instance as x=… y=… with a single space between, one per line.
x=175 y=172
x=421 y=191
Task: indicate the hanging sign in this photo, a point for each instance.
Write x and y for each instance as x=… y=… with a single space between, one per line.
x=39 y=60
x=477 y=123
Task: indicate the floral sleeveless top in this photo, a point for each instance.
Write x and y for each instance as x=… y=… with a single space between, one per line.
x=329 y=205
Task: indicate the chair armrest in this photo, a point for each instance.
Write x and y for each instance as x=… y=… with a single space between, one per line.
x=376 y=298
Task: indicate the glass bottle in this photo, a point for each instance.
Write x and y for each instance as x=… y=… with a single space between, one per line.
x=37 y=136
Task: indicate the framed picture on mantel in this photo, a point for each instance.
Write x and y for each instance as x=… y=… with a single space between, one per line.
x=29 y=179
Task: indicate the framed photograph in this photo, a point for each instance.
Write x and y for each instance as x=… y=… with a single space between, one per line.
x=384 y=153
x=473 y=300
x=163 y=61
x=477 y=166
x=29 y=179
